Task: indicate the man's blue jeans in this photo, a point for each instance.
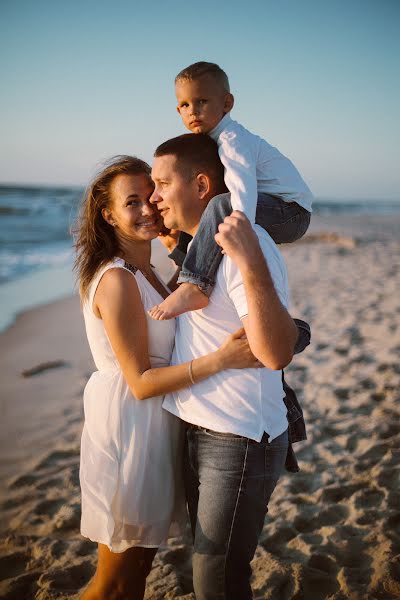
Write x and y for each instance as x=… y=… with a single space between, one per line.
x=229 y=480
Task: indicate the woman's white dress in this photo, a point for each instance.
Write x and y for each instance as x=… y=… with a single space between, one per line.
x=131 y=453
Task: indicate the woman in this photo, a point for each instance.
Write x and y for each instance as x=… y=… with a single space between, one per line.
x=130 y=454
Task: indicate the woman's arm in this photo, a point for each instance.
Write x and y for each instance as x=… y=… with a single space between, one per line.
x=119 y=304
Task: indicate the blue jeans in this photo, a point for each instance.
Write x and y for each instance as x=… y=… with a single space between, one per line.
x=284 y=221
x=229 y=480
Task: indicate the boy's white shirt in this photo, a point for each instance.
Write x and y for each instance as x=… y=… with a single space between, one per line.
x=252 y=165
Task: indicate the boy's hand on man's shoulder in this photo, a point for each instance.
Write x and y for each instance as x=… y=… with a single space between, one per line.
x=238 y=239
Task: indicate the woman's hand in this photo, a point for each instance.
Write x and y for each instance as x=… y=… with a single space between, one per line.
x=235 y=352
x=169 y=238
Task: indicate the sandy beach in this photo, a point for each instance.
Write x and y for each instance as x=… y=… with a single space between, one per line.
x=332 y=531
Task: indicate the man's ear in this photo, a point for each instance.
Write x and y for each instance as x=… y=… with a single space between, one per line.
x=178 y=109
x=107 y=216
x=229 y=102
x=203 y=185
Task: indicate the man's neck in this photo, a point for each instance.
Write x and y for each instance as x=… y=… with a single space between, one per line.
x=193 y=230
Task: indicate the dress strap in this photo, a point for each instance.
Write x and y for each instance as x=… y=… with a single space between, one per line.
x=116 y=263
x=130 y=267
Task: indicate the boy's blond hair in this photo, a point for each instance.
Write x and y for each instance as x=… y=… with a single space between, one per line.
x=198 y=69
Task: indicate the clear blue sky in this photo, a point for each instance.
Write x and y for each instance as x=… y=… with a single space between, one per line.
x=83 y=80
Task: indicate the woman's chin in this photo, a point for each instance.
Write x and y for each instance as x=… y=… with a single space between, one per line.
x=149 y=233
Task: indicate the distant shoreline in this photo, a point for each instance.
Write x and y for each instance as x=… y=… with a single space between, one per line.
x=33 y=290
x=42 y=287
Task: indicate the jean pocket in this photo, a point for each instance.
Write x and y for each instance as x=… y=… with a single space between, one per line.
x=291 y=229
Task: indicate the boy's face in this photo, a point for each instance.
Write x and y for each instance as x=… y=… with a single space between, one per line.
x=202 y=103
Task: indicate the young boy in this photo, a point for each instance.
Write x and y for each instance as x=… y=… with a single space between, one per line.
x=264 y=184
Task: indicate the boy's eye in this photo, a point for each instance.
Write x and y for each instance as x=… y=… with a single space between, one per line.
x=184 y=105
x=203 y=101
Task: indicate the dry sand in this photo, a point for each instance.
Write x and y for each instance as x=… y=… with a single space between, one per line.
x=333 y=530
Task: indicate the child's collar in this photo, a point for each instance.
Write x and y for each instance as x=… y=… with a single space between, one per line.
x=214 y=133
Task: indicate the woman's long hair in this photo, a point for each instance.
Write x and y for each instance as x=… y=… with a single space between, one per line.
x=95 y=240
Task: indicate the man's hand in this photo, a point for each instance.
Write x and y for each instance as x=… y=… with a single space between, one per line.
x=270 y=329
x=169 y=238
x=238 y=239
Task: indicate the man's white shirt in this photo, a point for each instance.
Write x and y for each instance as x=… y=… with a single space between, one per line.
x=245 y=402
x=252 y=165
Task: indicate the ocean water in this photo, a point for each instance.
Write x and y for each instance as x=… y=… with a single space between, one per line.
x=36 y=251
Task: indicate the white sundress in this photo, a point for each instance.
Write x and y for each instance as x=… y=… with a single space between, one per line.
x=131 y=451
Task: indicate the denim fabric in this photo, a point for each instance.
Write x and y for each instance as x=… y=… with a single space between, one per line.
x=202 y=261
x=229 y=480
x=284 y=221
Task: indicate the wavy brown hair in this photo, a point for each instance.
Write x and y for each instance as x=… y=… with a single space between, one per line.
x=95 y=240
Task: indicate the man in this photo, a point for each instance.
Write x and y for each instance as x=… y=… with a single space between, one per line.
x=236 y=438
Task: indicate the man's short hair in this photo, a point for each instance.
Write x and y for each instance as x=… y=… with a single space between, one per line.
x=195 y=153
x=198 y=69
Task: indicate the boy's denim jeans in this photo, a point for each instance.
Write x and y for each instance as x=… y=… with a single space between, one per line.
x=285 y=222
x=229 y=480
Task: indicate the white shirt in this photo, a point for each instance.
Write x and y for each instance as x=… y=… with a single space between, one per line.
x=245 y=402
x=252 y=165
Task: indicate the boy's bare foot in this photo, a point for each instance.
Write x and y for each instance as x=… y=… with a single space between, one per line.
x=187 y=297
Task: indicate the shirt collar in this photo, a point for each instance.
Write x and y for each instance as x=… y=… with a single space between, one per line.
x=218 y=129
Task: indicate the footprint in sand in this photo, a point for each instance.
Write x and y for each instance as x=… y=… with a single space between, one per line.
x=343 y=394
x=372 y=456
x=276 y=542
x=22 y=587
x=50 y=483
x=342 y=350
x=13 y=564
x=13 y=503
x=366 y=384
x=393 y=499
x=47 y=508
x=23 y=481
x=71 y=578
x=59 y=456
x=323 y=563
x=316 y=584
x=336 y=493
x=389 y=478
x=175 y=569
x=331 y=515
x=369 y=498
x=362 y=359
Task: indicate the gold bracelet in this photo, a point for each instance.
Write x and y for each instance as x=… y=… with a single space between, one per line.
x=191 y=372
